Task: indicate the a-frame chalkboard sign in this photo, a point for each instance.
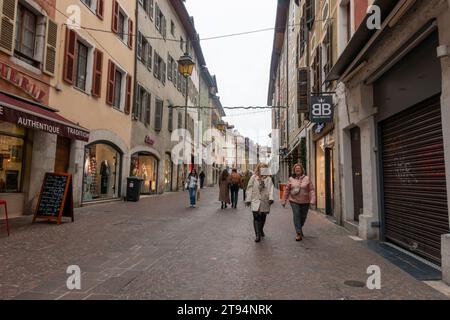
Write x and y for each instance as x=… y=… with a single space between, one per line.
x=56 y=198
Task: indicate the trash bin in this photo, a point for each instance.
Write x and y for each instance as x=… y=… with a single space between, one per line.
x=134 y=185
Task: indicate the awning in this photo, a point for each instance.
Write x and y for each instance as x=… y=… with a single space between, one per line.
x=28 y=114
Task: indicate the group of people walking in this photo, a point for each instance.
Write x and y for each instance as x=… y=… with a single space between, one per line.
x=231 y=184
x=258 y=194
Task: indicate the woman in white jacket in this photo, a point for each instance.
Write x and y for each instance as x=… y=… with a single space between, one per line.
x=260 y=197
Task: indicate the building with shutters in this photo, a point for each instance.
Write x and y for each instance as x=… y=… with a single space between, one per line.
x=393 y=105
x=165 y=31
x=94 y=86
x=305 y=47
x=31 y=128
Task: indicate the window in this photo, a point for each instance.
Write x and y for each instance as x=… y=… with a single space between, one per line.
x=26 y=30
x=96 y=6
x=143 y=106
x=160 y=21
x=12 y=144
x=148 y=7
x=159 y=68
x=121 y=31
x=82 y=61
x=122 y=25
x=118 y=89
x=158 y=114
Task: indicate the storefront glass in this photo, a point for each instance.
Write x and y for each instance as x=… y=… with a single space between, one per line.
x=101 y=179
x=145 y=166
x=325 y=174
x=11 y=157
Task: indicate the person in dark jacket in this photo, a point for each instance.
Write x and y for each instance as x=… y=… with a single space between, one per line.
x=202 y=179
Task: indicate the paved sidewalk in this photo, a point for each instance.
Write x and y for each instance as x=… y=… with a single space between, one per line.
x=158 y=249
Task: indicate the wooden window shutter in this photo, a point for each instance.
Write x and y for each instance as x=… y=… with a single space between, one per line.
x=130 y=33
x=69 y=56
x=50 y=48
x=149 y=59
x=329 y=48
x=111 y=81
x=302 y=90
x=137 y=106
x=100 y=9
x=170 y=125
x=158 y=115
x=163 y=72
x=8 y=16
x=148 y=104
x=97 y=73
x=139 y=48
x=115 y=17
x=128 y=94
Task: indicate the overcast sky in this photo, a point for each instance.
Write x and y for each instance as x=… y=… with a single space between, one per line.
x=241 y=63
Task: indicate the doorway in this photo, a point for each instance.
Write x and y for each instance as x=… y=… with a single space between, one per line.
x=358 y=206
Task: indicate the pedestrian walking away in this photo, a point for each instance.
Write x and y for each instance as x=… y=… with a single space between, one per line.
x=244 y=183
x=224 y=189
x=301 y=194
x=202 y=179
x=260 y=198
x=192 y=186
x=235 y=186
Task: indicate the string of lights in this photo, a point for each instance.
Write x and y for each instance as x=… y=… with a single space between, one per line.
x=232 y=108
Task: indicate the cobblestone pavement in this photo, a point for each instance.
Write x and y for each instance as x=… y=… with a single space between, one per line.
x=158 y=249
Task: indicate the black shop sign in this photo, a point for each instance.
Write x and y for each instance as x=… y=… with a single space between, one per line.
x=321 y=109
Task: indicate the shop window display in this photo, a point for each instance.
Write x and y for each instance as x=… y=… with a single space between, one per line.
x=11 y=157
x=101 y=172
x=145 y=167
x=168 y=173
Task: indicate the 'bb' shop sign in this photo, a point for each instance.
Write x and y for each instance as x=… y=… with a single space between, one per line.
x=322 y=109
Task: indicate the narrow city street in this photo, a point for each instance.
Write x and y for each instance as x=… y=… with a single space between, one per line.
x=159 y=249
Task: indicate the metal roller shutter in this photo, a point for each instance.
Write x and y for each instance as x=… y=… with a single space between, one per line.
x=415 y=197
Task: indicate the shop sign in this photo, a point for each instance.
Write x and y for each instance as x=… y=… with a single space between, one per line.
x=34 y=122
x=22 y=82
x=322 y=109
x=149 y=141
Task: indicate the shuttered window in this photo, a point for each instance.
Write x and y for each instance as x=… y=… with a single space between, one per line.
x=158 y=114
x=130 y=33
x=8 y=25
x=310 y=10
x=100 y=9
x=180 y=120
x=115 y=17
x=111 y=80
x=97 y=73
x=70 y=58
x=302 y=91
x=129 y=86
x=50 y=48
x=82 y=52
x=170 y=124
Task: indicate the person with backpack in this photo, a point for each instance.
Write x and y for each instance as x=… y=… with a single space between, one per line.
x=235 y=178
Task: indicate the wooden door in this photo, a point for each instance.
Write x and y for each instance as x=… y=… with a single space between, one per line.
x=355 y=134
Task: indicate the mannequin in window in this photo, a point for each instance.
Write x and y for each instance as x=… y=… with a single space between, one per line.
x=104 y=173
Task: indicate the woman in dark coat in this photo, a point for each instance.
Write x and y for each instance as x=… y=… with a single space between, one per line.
x=224 y=189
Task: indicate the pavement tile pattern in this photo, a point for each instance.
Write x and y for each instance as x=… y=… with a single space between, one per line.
x=160 y=249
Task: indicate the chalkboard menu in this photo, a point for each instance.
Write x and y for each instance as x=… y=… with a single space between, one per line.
x=56 y=198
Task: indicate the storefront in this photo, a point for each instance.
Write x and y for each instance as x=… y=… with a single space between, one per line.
x=102 y=168
x=34 y=139
x=324 y=146
x=145 y=166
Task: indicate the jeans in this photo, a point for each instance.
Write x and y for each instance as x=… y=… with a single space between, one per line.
x=192 y=195
x=234 y=195
x=300 y=212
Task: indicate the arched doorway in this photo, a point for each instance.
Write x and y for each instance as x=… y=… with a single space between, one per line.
x=102 y=171
x=145 y=166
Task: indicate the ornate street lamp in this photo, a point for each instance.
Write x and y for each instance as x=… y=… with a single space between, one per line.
x=186 y=67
